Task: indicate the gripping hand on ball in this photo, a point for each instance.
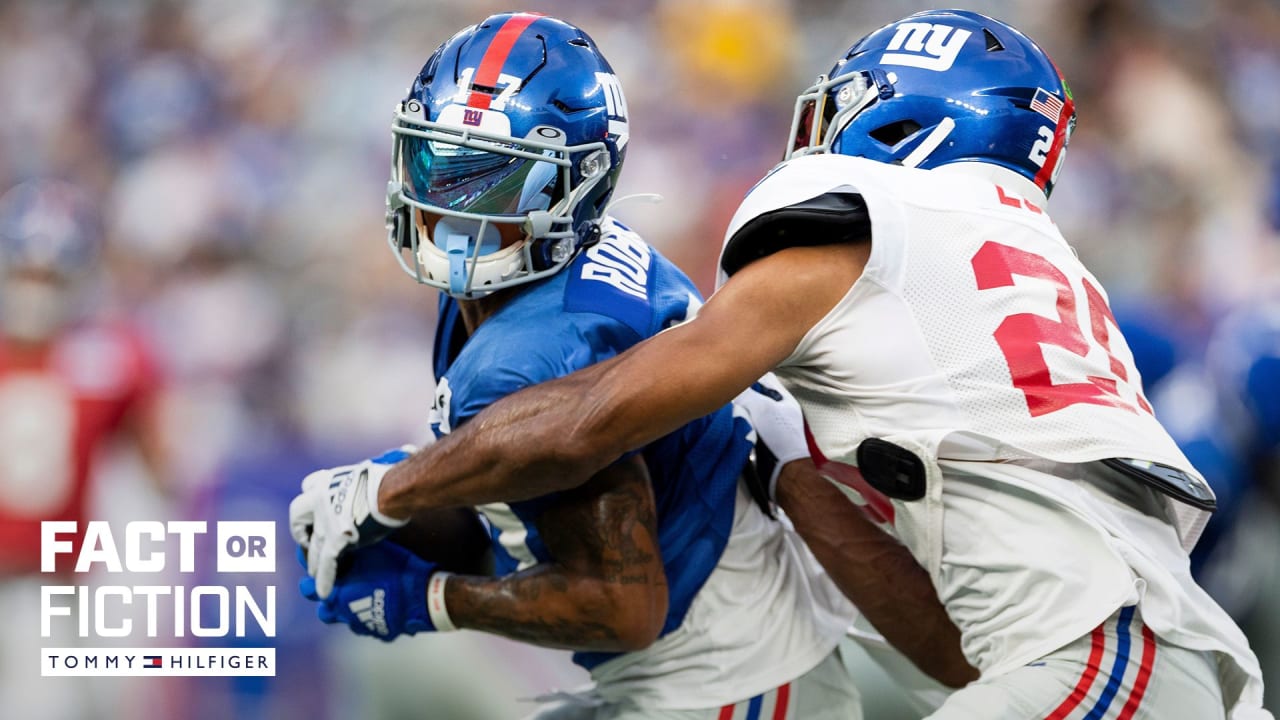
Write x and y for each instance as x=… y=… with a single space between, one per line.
x=338 y=509
x=382 y=593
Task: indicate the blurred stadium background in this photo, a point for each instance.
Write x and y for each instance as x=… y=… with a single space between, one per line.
x=239 y=154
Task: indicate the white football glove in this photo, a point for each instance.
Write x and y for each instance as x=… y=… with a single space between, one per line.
x=779 y=426
x=338 y=509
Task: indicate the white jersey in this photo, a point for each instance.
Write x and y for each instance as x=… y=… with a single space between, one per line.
x=976 y=339
x=766 y=614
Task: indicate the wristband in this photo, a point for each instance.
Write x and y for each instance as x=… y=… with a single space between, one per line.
x=373 y=481
x=436 y=610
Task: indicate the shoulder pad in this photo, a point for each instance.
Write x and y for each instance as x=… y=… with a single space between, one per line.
x=828 y=219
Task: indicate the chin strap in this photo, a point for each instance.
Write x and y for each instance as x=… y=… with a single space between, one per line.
x=456 y=249
x=464 y=241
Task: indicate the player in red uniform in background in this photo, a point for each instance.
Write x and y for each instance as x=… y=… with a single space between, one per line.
x=69 y=383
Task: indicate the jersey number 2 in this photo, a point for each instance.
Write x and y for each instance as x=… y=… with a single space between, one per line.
x=1021 y=336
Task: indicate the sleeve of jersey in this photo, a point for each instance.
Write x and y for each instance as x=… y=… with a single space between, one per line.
x=526 y=357
x=792 y=207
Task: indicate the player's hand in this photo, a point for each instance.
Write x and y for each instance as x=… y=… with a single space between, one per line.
x=779 y=426
x=382 y=593
x=338 y=509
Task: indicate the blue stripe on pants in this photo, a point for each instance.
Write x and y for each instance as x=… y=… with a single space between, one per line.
x=1118 y=667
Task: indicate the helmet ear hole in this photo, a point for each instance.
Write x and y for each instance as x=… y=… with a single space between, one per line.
x=895 y=132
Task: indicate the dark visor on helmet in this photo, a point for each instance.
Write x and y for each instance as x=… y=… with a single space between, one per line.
x=465 y=179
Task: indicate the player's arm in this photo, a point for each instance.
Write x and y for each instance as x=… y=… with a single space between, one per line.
x=605 y=590
x=555 y=435
x=874 y=571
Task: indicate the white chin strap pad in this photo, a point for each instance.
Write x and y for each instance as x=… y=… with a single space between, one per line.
x=456 y=236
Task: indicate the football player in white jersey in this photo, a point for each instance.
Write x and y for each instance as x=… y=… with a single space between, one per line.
x=961 y=376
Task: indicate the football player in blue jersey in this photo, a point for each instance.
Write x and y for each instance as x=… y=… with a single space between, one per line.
x=677 y=591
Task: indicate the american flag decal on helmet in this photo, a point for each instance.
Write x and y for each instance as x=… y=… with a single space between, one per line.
x=1047 y=104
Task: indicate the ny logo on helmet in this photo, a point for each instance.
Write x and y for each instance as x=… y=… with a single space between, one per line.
x=924 y=45
x=615 y=105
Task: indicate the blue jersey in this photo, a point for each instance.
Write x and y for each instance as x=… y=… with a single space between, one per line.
x=613 y=295
x=1244 y=360
x=1224 y=412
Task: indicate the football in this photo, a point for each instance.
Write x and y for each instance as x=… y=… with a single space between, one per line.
x=453 y=538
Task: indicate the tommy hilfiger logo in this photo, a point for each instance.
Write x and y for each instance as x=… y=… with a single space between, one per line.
x=372 y=611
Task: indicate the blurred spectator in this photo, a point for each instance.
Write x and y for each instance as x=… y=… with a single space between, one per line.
x=72 y=381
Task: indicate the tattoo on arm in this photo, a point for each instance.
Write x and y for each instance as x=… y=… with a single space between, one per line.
x=605 y=589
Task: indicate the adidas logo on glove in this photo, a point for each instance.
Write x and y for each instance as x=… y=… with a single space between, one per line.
x=372 y=611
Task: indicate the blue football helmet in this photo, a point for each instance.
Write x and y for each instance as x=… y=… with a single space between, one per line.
x=48 y=226
x=940 y=87
x=49 y=242
x=516 y=121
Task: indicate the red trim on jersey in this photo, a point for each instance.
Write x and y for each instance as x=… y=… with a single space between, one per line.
x=1086 y=679
x=1006 y=199
x=496 y=56
x=780 y=702
x=1059 y=142
x=878 y=506
x=726 y=712
x=1144 y=675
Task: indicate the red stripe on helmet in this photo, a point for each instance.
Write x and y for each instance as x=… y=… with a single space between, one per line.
x=878 y=508
x=1059 y=141
x=496 y=56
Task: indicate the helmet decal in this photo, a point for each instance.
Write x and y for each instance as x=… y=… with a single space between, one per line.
x=1050 y=150
x=489 y=74
x=616 y=105
x=925 y=45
